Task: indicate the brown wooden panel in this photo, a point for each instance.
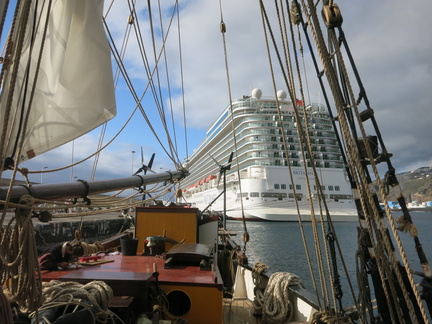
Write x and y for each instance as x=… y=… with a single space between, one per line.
x=177 y=223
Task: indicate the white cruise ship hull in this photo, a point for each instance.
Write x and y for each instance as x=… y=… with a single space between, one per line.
x=261 y=202
x=284 y=211
x=275 y=214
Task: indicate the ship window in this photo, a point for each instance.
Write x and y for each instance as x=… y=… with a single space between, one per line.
x=254 y=194
x=276 y=186
x=273 y=195
x=299 y=196
x=337 y=197
x=290 y=186
x=330 y=188
x=298 y=187
x=244 y=194
x=283 y=186
x=337 y=188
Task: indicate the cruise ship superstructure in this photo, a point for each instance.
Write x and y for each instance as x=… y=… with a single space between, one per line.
x=266 y=188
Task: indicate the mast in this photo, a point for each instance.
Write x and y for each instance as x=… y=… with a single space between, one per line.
x=82 y=188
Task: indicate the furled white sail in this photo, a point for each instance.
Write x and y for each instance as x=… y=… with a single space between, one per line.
x=74 y=90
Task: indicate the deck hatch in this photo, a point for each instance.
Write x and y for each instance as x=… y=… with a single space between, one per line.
x=189 y=254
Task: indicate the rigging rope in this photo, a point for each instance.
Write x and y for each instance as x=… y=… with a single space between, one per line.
x=298 y=19
x=223 y=31
x=18 y=254
x=182 y=83
x=158 y=93
x=157 y=58
x=308 y=147
x=332 y=80
x=395 y=263
x=175 y=148
x=368 y=200
x=138 y=100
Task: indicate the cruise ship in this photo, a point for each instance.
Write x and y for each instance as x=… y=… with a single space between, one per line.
x=269 y=176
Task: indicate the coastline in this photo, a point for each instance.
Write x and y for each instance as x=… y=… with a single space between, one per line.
x=61 y=229
x=96 y=227
x=419 y=209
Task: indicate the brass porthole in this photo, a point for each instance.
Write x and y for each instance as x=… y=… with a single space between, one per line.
x=179 y=303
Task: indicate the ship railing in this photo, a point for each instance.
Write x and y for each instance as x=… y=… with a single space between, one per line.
x=240 y=259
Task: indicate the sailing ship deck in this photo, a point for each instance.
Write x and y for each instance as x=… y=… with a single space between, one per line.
x=133 y=275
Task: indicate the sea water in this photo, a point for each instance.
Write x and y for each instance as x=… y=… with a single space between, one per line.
x=280 y=246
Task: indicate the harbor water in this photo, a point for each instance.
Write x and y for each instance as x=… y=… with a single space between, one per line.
x=280 y=246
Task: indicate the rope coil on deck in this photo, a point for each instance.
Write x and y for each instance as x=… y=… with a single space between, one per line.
x=277 y=304
x=94 y=296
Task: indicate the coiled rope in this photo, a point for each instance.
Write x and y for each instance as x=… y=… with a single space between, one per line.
x=257 y=271
x=323 y=318
x=92 y=248
x=277 y=304
x=19 y=255
x=94 y=296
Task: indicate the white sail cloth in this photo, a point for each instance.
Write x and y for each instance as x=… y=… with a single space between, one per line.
x=74 y=90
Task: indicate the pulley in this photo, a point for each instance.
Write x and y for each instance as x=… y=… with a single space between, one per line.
x=222 y=27
x=332 y=15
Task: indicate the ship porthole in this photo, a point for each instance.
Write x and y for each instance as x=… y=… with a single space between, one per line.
x=179 y=303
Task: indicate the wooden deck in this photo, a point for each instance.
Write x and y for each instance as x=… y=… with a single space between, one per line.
x=239 y=311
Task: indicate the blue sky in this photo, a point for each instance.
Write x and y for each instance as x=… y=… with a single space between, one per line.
x=390 y=42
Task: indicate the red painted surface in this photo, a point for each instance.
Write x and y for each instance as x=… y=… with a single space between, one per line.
x=137 y=269
x=89 y=258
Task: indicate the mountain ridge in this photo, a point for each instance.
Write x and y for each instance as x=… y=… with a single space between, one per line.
x=416 y=185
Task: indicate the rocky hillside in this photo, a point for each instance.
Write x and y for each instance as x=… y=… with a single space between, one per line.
x=416 y=185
